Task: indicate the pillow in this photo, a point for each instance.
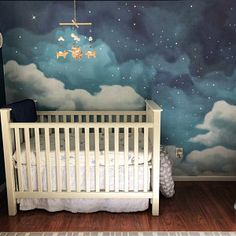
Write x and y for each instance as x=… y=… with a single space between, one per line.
x=23 y=111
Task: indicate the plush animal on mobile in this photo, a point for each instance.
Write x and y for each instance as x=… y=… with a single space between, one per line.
x=62 y=54
x=90 y=54
x=76 y=53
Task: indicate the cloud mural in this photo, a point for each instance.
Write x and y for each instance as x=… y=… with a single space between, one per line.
x=26 y=81
x=219 y=158
x=89 y=75
x=220 y=124
x=214 y=161
x=181 y=54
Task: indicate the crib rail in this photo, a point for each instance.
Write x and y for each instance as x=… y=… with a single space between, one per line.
x=91 y=116
x=88 y=132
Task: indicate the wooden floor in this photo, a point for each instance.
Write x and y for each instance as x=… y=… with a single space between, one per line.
x=196 y=206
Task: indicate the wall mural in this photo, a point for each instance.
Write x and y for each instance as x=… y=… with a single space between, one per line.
x=182 y=54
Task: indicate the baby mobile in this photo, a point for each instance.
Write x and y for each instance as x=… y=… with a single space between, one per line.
x=76 y=51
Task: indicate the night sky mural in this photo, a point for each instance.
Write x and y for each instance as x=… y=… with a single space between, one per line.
x=181 y=54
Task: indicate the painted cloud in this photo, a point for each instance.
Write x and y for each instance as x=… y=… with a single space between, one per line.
x=220 y=158
x=26 y=81
x=220 y=124
x=214 y=161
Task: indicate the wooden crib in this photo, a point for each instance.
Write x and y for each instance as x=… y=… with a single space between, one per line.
x=73 y=125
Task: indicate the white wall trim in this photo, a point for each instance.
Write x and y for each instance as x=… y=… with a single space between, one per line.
x=204 y=178
x=2 y=187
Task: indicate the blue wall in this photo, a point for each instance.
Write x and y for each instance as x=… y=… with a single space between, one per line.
x=2 y=102
x=181 y=54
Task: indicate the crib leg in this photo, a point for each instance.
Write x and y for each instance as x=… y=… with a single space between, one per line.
x=7 y=148
x=12 y=208
x=155 y=205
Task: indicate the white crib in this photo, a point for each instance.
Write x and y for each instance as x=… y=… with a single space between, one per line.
x=23 y=148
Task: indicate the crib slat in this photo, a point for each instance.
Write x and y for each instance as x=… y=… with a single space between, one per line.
x=72 y=120
x=80 y=121
x=140 y=118
x=64 y=118
x=116 y=136
x=57 y=118
x=145 y=165
x=106 y=139
x=96 y=136
x=22 y=138
x=18 y=158
x=126 y=150
x=67 y=150
x=28 y=162
x=117 y=118
x=48 y=159
x=58 y=159
x=136 y=145
x=95 y=118
x=41 y=118
x=132 y=121
x=132 y=118
x=77 y=165
x=38 y=159
x=87 y=161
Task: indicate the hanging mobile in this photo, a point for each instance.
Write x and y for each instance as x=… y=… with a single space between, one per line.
x=76 y=50
x=74 y=20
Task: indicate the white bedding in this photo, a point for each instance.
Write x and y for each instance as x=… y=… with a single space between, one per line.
x=85 y=205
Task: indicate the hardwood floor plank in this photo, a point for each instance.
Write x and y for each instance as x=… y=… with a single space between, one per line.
x=196 y=206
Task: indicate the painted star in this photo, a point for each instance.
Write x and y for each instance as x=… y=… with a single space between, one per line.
x=33 y=17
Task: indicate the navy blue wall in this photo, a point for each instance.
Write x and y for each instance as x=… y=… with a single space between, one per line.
x=2 y=102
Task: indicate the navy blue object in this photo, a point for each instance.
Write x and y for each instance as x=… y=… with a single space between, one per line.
x=23 y=111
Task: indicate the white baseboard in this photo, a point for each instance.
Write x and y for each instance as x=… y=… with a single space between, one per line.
x=204 y=178
x=2 y=187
